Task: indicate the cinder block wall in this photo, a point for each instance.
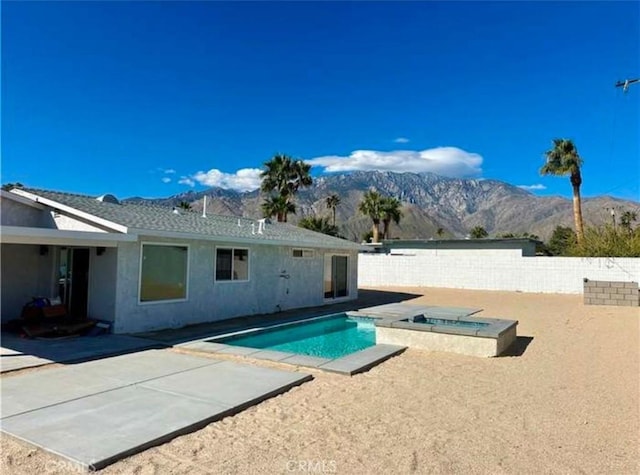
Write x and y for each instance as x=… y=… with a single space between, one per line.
x=494 y=270
x=606 y=292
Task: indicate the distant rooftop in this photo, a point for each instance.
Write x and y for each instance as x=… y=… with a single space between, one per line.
x=527 y=245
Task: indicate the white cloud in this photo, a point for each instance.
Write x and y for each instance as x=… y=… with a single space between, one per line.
x=185 y=180
x=447 y=161
x=169 y=171
x=166 y=180
x=537 y=186
x=246 y=179
x=401 y=140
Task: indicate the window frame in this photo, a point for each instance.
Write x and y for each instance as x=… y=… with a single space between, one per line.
x=187 y=279
x=302 y=250
x=232 y=280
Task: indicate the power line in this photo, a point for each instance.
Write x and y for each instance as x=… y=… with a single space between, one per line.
x=626 y=83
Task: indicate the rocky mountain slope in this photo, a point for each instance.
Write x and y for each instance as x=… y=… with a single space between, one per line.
x=429 y=202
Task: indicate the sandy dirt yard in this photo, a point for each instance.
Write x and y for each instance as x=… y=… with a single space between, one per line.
x=568 y=404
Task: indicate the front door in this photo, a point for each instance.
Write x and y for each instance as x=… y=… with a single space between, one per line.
x=74 y=280
x=336 y=276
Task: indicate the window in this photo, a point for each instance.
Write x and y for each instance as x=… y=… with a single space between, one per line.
x=232 y=264
x=163 y=272
x=303 y=253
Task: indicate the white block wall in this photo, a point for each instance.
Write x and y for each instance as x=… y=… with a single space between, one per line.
x=506 y=270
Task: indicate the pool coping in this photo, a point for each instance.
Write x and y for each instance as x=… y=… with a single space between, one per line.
x=353 y=363
x=495 y=328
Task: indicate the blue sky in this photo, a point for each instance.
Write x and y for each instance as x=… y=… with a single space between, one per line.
x=152 y=99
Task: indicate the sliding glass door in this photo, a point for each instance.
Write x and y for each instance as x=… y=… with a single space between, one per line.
x=336 y=276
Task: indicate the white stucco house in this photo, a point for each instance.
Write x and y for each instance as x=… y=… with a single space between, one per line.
x=144 y=267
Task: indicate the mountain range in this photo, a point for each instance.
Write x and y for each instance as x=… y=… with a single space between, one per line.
x=429 y=202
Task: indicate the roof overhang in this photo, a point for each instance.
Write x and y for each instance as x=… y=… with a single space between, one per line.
x=71 y=211
x=57 y=237
x=20 y=199
x=348 y=245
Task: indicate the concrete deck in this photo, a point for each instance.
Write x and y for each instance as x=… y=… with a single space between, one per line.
x=350 y=364
x=97 y=412
x=19 y=353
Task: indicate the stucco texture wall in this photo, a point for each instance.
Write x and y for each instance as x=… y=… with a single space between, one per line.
x=277 y=281
x=13 y=213
x=102 y=284
x=495 y=271
x=25 y=274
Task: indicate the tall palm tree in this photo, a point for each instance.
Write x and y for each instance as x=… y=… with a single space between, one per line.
x=371 y=205
x=332 y=201
x=300 y=176
x=283 y=176
x=563 y=160
x=390 y=212
x=279 y=207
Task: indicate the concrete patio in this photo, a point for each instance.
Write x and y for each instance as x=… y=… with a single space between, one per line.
x=19 y=353
x=97 y=412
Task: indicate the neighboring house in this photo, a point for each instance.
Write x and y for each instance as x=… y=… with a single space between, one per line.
x=456 y=247
x=145 y=267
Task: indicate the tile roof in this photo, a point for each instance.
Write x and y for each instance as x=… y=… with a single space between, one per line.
x=147 y=219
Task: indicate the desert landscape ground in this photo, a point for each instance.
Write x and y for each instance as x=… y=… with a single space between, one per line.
x=564 y=400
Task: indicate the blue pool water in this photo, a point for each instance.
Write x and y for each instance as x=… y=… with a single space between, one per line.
x=452 y=323
x=327 y=338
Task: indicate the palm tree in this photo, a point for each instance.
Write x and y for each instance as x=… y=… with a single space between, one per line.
x=332 y=201
x=284 y=176
x=390 y=212
x=440 y=232
x=478 y=233
x=371 y=205
x=279 y=207
x=185 y=205
x=319 y=225
x=563 y=160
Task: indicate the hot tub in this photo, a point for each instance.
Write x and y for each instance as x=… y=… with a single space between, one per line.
x=465 y=335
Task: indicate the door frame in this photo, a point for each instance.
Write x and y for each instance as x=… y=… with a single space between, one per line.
x=68 y=298
x=330 y=256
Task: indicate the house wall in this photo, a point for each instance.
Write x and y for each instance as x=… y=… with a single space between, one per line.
x=13 y=213
x=265 y=292
x=493 y=271
x=102 y=284
x=25 y=274
x=69 y=223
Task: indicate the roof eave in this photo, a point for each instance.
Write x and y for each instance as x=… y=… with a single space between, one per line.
x=243 y=240
x=70 y=210
x=57 y=237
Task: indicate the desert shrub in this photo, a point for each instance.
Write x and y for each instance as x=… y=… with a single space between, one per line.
x=608 y=241
x=562 y=241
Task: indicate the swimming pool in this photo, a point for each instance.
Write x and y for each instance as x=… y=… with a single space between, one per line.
x=331 y=337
